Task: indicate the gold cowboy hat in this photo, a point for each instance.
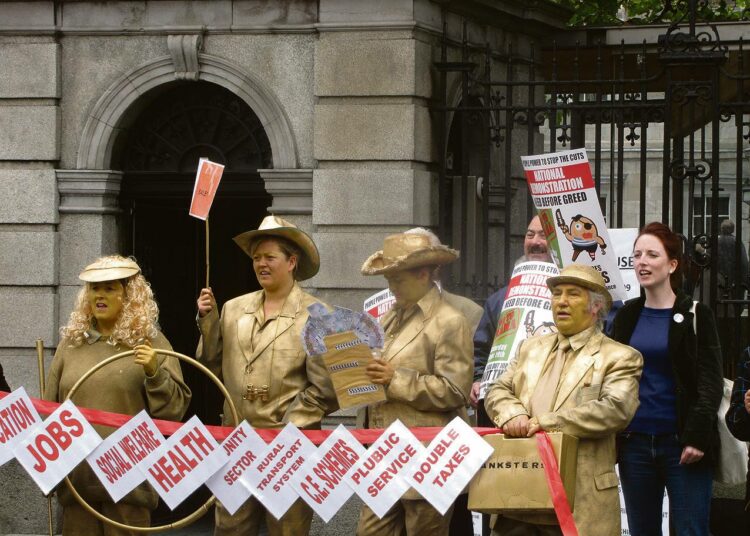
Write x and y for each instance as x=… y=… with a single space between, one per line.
x=110 y=268
x=583 y=276
x=404 y=251
x=309 y=263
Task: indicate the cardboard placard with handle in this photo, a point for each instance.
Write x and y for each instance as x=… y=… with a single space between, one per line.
x=346 y=361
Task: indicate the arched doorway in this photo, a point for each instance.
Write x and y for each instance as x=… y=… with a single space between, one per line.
x=158 y=152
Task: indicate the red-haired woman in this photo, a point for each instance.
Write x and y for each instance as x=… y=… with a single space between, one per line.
x=672 y=441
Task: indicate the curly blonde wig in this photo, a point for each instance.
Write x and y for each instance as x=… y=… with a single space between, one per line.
x=138 y=320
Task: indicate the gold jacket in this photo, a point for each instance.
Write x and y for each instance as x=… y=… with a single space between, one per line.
x=434 y=367
x=598 y=396
x=299 y=389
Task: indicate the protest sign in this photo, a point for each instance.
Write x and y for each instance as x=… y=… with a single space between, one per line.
x=527 y=311
x=624 y=240
x=17 y=418
x=243 y=447
x=53 y=448
x=379 y=477
x=207 y=180
x=320 y=481
x=563 y=192
x=448 y=464
x=379 y=303
x=116 y=460
x=185 y=461
x=346 y=360
x=270 y=476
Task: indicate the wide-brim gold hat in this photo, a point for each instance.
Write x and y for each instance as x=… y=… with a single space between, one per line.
x=583 y=276
x=404 y=251
x=110 y=268
x=271 y=226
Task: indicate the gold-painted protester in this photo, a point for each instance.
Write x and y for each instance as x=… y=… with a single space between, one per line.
x=426 y=365
x=115 y=311
x=255 y=347
x=578 y=382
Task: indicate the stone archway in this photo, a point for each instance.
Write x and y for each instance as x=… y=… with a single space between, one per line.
x=106 y=117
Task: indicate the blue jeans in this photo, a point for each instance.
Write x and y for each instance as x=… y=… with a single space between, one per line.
x=647 y=464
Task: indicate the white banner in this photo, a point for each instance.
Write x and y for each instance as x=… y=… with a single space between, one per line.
x=116 y=460
x=448 y=464
x=185 y=461
x=321 y=480
x=563 y=191
x=624 y=239
x=379 y=303
x=243 y=447
x=271 y=475
x=18 y=417
x=53 y=449
x=378 y=478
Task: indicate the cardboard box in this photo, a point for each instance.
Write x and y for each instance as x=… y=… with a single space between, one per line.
x=346 y=361
x=512 y=479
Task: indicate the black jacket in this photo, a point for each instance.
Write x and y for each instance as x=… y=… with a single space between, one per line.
x=696 y=364
x=3 y=384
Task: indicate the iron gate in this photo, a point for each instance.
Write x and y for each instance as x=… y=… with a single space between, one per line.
x=666 y=127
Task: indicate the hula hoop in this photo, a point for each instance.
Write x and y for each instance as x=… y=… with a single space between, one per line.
x=203 y=509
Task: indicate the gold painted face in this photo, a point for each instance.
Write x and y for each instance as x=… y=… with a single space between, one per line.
x=409 y=286
x=105 y=299
x=570 y=309
x=272 y=267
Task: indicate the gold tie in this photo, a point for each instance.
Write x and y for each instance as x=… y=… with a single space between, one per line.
x=546 y=388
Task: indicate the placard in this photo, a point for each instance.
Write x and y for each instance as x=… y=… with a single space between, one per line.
x=53 y=449
x=526 y=312
x=379 y=303
x=117 y=461
x=271 y=475
x=448 y=464
x=207 y=179
x=185 y=461
x=624 y=240
x=346 y=361
x=18 y=417
x=321 y=480
x=563 y=192
x=379 y=477
x=243 y=448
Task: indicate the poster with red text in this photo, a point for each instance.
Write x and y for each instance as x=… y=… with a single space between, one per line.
x=563 y=192
x=527 y=311
x=207 y=180
x=52 y=449
x=116 y=460
x=18 y=417
x=321 y=480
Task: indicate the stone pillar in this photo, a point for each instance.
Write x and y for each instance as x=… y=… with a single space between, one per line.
x=29 y=259
x=88 y=227
x=372 y=140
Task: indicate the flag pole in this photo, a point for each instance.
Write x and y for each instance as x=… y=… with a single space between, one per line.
x=40 y=366
x=208 y=258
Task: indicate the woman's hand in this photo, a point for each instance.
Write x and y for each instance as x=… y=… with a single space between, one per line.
x=747 y=401
x=145 y=356
x=206 y=302
x=690 y=455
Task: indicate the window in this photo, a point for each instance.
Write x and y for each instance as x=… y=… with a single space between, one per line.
x=705 y=206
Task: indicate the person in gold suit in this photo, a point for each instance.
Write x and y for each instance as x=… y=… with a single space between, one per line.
x=115 y=311
x=255 y=347
x=578 y=382
x=426 y=365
